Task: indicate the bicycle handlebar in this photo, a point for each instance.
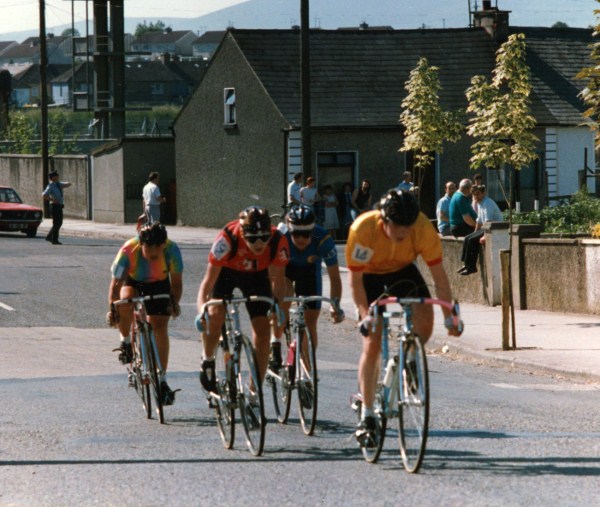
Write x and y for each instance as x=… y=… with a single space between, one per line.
x=309 y=299
x=236 y=301
x=140 y=299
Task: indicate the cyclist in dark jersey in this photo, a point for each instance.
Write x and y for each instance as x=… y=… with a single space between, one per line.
x=310 y=244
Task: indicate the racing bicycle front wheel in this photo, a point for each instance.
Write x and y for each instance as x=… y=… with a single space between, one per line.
x=281 y=383
x=306 y=380
x=141 y=383
x=413 y=404
x=250 y=397
x=154 y=372
x=224 y=409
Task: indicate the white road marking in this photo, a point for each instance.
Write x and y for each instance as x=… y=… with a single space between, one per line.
x=550 y=387
x=6 y=307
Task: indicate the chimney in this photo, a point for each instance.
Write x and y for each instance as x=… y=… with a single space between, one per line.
x=493 y=20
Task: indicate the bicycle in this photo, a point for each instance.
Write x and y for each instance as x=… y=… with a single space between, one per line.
x=403 y=390
x=145 y=370
x=298 y=371
x=237 y=379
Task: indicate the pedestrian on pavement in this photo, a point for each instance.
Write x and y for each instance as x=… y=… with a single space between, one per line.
x=488 y=212
x=152 y=197
x=361 y=199
x=293 y=190
x=462 y=216
x=54 y=195
x=443 y=210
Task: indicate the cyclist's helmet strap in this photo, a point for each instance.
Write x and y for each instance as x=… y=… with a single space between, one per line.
x=400 y=207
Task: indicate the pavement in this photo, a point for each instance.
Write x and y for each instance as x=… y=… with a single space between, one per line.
x=559 y=344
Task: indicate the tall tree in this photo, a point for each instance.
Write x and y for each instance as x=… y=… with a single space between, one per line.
x=591 y=93
x=502 y=123
x=426 y=124
x=144 y=27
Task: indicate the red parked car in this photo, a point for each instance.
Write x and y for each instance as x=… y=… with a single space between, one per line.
x=17 y=216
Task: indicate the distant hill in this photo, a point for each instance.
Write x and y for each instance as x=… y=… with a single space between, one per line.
x=331 y=14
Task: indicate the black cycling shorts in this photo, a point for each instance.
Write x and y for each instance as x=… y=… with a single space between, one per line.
x=251 y=284
x=407 y=282
x=153 y=307
x=307 y=282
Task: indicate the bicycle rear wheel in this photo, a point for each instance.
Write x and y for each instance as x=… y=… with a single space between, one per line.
x=224 y=410
x=413 y=405
x=371 y=453
x=142 y=387
x=281 y=384
x=250 y=398
x=153 y=372
x=306 y=381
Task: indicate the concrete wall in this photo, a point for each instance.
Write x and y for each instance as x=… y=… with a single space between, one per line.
x=25 y=174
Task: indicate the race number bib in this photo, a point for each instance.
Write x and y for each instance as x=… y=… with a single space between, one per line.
x=362 y=254
x=220 y=248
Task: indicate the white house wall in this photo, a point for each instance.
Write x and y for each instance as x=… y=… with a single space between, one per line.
x=565 y=152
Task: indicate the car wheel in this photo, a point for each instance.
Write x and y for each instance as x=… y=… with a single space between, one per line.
x=31 y=232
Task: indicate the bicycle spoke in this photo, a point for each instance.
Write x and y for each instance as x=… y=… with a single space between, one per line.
x=371 y=452
x=413 y=396
x=250 y=398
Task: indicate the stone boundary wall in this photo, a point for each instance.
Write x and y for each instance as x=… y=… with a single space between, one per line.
x=25 y=174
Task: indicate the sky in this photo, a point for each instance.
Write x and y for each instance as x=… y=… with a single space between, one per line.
x=23 y=15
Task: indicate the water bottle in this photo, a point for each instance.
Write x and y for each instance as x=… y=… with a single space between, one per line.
x=390 y=370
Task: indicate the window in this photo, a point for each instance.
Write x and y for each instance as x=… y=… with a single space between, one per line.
x=158 y=89
x=229 y=106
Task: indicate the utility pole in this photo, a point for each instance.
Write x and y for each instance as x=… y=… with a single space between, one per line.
x=305 y=89
x=44 y=92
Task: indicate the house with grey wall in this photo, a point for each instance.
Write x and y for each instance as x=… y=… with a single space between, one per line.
x=239 y=134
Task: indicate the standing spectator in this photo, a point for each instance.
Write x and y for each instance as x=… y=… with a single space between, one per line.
x=308 y=194
x=361 y=199
x=488 y=212
x=406 y=184
x=443 y=210
x=345 y=209
x=152 y=198
x=477 y=181
x=293 y=190
x=331 y=222
x=462 y=215
x=54 y=195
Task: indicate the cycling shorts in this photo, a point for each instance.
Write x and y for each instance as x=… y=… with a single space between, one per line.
x=153 y=307
x=307 y=282
x=407 y=282
x=255 y=283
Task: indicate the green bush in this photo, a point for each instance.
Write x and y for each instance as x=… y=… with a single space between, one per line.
x=577 y=216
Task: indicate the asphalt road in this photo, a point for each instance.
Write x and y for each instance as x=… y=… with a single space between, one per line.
x=72 y=433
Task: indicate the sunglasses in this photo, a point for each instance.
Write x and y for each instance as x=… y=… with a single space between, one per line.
x=301 y=234
x=253 y=238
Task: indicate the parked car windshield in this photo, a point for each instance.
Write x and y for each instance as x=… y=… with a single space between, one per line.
x=9 y=195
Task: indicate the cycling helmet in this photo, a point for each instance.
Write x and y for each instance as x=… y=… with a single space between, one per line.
x=255 y=220
x=301 y=218
x=153 y=234
x=399 y=207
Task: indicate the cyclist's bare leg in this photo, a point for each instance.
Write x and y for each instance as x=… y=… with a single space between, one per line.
x=210 y=340
x=261 y=329
x=423 y=321
x=368 y=367
x=125 y=311
x=310 y=318
x=160 y=325
x=285 y=306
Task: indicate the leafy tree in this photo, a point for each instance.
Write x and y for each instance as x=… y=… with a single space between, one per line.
x=67 y=32
x=21 y=132
x=143 y=28
x=559 y=25
x=57 y=124
x=426 y=124
x=591 y=93
x=502 y=124
x=502 y=121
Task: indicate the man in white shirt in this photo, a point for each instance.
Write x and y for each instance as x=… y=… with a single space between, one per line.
x=152 y=198
x=488 y=211
x=293 y=190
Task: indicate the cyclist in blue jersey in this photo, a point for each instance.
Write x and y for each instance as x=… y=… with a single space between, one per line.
x=310 y=244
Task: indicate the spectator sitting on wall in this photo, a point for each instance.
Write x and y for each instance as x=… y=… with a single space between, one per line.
x=406 y=184
x=462 y=216
x=443 y=210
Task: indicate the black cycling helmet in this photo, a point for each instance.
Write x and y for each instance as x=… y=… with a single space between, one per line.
x=153 y=234
x=301 y=218
x=399 y=207
x=255 y=220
